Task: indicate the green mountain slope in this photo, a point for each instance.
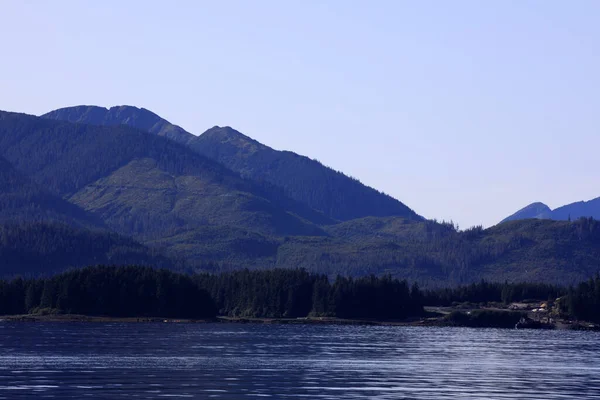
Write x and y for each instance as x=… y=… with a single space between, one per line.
x=172 y=198
x=559 y=252
x=139 y=183
x=322 y=188
x=300 y=178
x=23 y=200
x=31 y=249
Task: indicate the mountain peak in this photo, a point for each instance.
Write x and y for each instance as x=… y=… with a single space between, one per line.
x=139 y=118
x=307 y=181
x=292 y=176
x=537 y=210
x=231 y=137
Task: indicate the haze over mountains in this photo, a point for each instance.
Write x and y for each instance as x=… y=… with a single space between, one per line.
x=149 y=192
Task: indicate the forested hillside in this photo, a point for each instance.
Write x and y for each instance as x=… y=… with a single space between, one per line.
x=141 y=184
x=31 y=249
x=559 y=252
x=22 y=200
x=167 y=202
x=433 y=254
x=300 y=178
x=306 y=180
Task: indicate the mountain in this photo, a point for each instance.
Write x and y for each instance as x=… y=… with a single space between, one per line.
x=121 y=115
x=178 y=202
x=534 y=210
x=577 y=210
x=142 y=184
x=41 y=233
x=558 y=252
x=571 y=211
x=303 y=179
x=307 y=181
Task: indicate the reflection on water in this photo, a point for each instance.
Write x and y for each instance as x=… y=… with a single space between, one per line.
x=230 y=361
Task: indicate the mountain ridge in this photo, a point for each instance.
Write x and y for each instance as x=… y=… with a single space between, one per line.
x=298 y=177
x=140 y=118
x=571 y=211
x=170 y=198
x=65 y=156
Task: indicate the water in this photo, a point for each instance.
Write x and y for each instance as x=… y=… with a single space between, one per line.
x=234 y=361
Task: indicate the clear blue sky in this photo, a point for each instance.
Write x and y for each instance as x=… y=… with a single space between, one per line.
x=463 y=110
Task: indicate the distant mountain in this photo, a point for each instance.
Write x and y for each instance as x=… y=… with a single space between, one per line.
x=571 y=211
x=300 y=178
x=139 y=118
x=534 y=210
x=579 y=209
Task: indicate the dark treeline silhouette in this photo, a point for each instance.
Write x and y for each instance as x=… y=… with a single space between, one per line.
x=583 y=301
x=485 y=292
x=109 y=291
x=297 y=293
x=135 y=291
x=142 y=291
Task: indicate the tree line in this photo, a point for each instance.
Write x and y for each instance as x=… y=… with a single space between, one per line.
x=135 y=291
x=109 y=291
x=297 y=293
x=583 y=301
x=493 y=292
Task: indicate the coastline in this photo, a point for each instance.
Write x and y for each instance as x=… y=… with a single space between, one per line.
x=439 y=320
x=219 y=319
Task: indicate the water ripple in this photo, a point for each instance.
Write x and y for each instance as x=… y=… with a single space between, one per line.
x=228 y=361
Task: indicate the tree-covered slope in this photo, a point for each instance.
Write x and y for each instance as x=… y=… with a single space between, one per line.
x=303 y=179
x=530 y=250
x=300 y=178
x=170 y=197
x=23 y=200
x=433 y=254
x=140 y=183
x=31 y=249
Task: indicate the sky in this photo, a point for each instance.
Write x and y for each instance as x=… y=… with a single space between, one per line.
x=463 y=110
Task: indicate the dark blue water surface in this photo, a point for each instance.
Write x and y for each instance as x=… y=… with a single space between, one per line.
x=235 y=361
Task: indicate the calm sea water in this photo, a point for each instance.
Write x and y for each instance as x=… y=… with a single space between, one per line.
x=231 y=361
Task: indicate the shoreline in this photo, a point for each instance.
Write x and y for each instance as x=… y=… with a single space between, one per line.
x=219 y=319
x=435 y=321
